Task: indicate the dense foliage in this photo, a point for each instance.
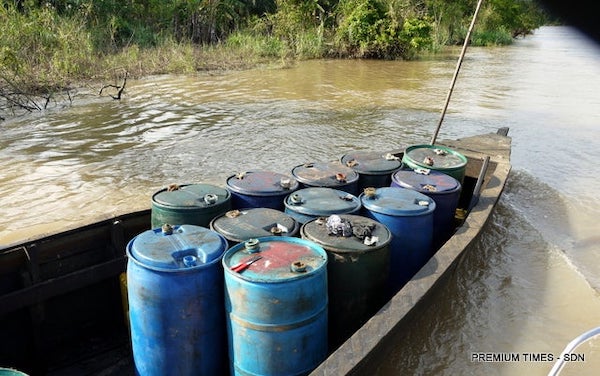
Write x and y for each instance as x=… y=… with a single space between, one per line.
x=47 y=43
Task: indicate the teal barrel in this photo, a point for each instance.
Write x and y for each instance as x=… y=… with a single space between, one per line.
x=276 y=308
x=358 y=268
x=408 y=215
x=243 y=224
x=11 y=372
x=189 y=204
x=260 y=189
x=374 y=169
x=327 y=174
x=309 y=203
x=443 y=189
x=175 y=292
x=436 y=157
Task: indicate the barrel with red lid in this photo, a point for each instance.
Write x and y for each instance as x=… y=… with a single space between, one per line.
x=276 y=306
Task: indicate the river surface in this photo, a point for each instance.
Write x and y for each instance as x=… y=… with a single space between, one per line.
x=529 y=288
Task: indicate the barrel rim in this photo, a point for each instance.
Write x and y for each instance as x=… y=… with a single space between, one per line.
x=460 y=166
x=402 y=184
x=366 y=249
x=241 y=276
x=158 y=204
x=390 y=211
x=306 y=181
x=230 y=236
x=131 y=257
x=247 y=192
x=300 y=209
x=361 y=171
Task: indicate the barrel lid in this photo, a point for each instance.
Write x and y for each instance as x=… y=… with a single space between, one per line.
x=426 y=181
x=176 y=247
x=325 y=174
x=191 y=196
x=435 y=156
x=261 y=183
x=321 y=201
x=397 y=202
x=371 y=162
x=281 y=259
x=244 y=224
x=365 y=234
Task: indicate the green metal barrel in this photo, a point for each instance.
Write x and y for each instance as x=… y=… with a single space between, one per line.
x=436 y=157
x=190 y=204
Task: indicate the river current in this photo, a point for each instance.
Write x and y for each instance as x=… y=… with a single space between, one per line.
x=529 y=288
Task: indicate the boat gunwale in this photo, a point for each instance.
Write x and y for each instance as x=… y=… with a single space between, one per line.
x=358 y=353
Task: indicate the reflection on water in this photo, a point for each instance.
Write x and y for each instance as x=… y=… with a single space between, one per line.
x=526 y=288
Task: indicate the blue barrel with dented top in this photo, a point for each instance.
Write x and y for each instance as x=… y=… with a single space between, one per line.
x=175 y=292
x=276 y=306
x=442 y=188
x=189 y=204
x=408 y=215
x=260 y=189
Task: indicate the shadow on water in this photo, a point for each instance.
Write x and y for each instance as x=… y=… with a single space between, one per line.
x=513 y=281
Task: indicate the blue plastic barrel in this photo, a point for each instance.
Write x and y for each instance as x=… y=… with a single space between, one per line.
x=240 y=225
x=374 y=169
x=408 y=215
x=327 y=174
x=189 y=204
x=443 y=189
x=277 y=307
x=175 y=291
x=309 y=203
x=260 y=189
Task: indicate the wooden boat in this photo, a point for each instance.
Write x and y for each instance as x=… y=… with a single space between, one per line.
x=61 y=307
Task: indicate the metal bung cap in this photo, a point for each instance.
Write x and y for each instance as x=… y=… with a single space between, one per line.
x=252 y=245
x=175 y=248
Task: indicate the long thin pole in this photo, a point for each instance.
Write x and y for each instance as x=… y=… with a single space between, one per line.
x=460 y=60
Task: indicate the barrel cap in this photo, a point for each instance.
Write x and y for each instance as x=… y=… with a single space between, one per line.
x=321 y=201
x=396 y=201
x=261 y=183
x=191 y=196
x=371 y=162
x=176 y=248
x=282 y=258
x=244 y=224
x=366 y=234
x=426 y=181
x=325 y=174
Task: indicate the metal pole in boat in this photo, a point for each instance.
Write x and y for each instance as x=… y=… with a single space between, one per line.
x=460 y=60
